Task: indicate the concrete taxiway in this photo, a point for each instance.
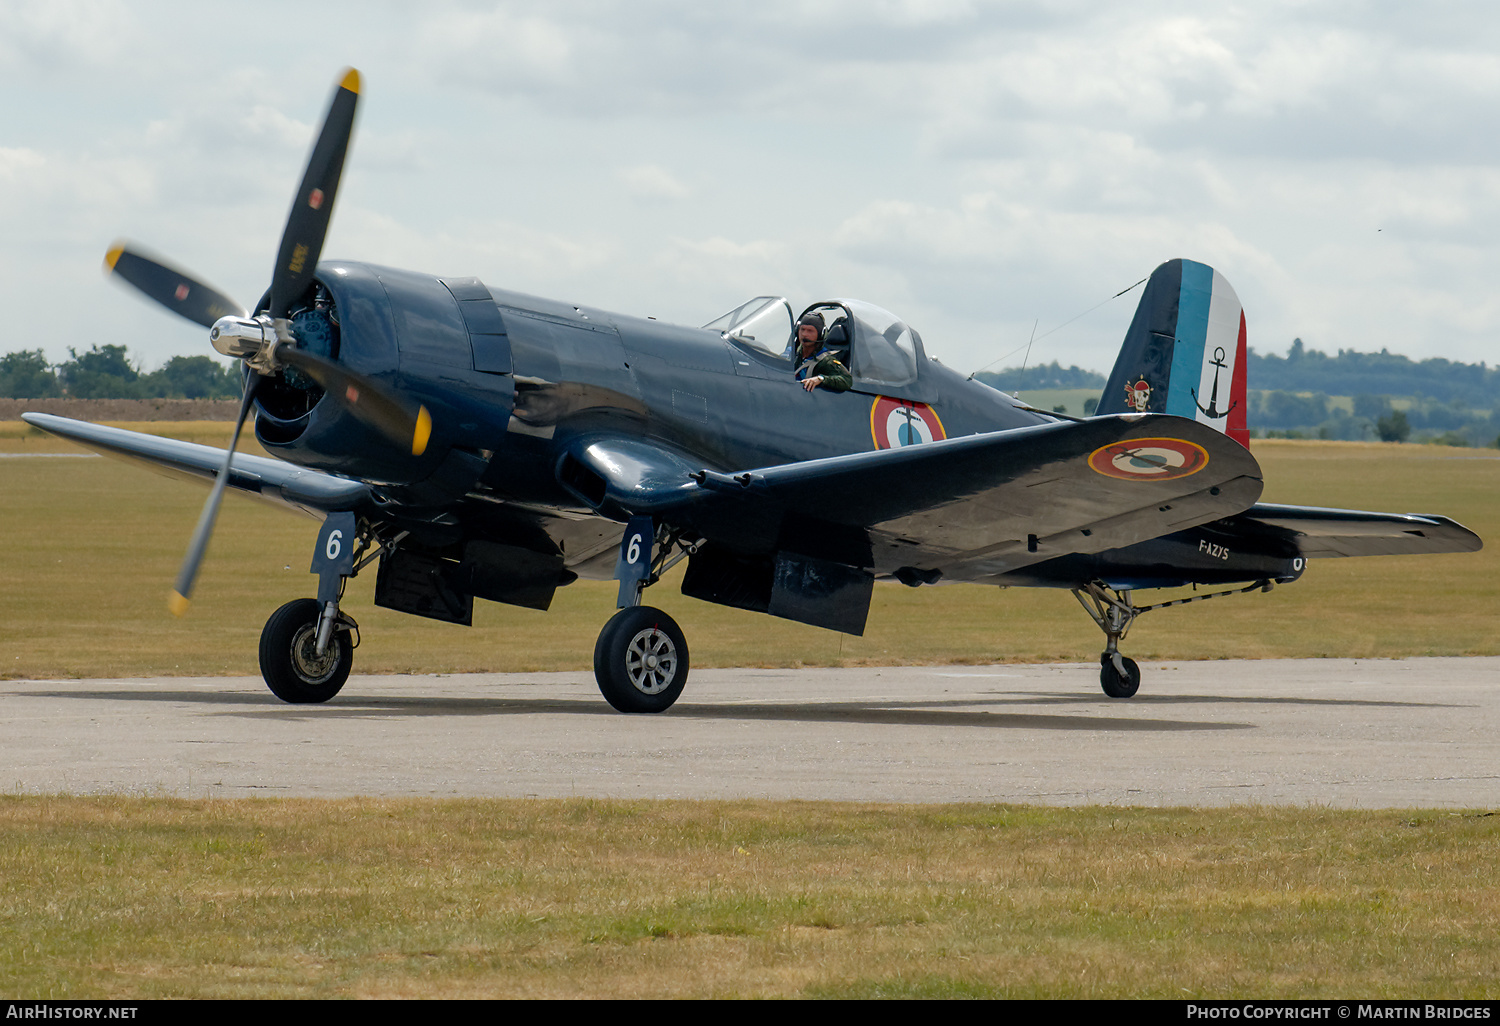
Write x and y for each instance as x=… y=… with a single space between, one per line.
x=1325 y=732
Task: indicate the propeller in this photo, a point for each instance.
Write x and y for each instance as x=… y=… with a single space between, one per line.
x=266 y=342
x=177 y=602
x=307 y=224
x=176 y=290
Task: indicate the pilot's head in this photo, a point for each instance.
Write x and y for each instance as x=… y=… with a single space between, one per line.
x=809 y=331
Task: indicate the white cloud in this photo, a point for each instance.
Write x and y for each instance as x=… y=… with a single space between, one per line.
x=974 y=166
x=652 y=182
x=67 y=35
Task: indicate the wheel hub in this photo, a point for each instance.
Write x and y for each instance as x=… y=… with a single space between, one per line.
x=650 y=661
x=311 y=667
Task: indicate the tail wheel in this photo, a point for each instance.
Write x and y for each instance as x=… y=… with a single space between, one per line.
x=1116 y=684
x=641 y=660
x=289 y=659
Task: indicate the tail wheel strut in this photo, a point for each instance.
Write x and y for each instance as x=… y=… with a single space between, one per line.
x=1114 y=612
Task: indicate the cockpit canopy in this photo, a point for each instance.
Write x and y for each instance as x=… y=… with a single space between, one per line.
x=881 y=351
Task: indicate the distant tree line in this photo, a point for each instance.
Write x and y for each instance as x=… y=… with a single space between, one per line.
x=1301 y=415
x=1303 y=370
x=1394 y=398
x=1437 y=399
x=1047 y=375
x=1475 y=385
x=105 y=372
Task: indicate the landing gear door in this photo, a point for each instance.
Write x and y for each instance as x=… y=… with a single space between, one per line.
x=333 y=559
x=634 y=565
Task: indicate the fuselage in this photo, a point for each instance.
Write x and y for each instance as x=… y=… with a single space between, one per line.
x=514 y=381
x=511 y=378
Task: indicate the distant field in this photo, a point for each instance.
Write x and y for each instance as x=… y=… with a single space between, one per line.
x=92 y=546
x=113 y=411
x=1070 y=399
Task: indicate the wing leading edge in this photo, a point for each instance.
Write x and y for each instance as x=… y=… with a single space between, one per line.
x=966 y=507
x=309 y=491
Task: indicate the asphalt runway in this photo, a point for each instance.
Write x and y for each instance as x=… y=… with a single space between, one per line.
x=1321 y=732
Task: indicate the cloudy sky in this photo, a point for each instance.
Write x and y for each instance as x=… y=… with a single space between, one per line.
x=975 y=167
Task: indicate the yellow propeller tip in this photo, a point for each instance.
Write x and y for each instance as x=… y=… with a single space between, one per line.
x=177 y=603
x=422 y=433
x=111 y=257
x=351 y=81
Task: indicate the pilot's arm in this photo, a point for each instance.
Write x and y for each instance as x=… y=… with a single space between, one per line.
x=829 y=374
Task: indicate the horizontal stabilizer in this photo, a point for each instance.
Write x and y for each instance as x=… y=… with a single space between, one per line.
x=1326 y=533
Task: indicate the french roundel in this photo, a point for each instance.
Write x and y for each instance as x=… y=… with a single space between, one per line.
x=1149 y=459
x=898 y=422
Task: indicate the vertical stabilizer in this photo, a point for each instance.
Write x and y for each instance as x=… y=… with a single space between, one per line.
x=1185 y=351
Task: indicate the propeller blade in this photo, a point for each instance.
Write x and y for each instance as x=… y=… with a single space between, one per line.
x=176 y=290
x=307 y=224
x=364 y=399
x=182 y=591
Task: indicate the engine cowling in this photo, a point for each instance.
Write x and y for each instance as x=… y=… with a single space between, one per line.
x=435 y=341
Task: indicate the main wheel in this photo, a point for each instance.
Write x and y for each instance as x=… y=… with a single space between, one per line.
x=641 y=660
x=289 y=659
x=1116 y=686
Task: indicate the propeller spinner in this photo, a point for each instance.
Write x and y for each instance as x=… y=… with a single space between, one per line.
x=266 y=342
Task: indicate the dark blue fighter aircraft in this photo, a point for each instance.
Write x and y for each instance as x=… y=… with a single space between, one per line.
x=485 y=444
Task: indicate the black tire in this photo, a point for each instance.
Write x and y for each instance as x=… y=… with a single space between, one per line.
x=288 y=655
x=641 y=660
x=1116 y=686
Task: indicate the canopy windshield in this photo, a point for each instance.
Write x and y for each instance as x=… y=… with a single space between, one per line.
x=764 y=322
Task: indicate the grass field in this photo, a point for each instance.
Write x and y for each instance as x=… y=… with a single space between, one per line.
x=139 y=898
x=116 y=897
x=92 y=546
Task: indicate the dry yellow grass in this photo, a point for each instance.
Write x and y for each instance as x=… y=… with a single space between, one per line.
x=92 y=546
x=139 y=898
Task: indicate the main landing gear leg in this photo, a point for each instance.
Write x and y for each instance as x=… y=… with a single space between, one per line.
x=641 y=657
x=1114 y=613
x=307 y=646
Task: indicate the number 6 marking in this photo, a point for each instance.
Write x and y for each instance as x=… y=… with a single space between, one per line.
x=633 y=551
x=334 y=548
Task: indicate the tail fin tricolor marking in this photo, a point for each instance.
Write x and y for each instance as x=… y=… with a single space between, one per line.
x=1185 y=351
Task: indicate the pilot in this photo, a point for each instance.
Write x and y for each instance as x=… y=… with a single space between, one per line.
x=817 y=366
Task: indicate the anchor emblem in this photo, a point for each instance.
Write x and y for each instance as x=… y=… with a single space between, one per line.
x=1211 y=411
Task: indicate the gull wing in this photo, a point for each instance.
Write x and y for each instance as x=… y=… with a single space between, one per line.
x=964 y=507
x=310 y=491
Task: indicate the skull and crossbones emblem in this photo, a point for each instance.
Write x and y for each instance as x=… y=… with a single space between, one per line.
x=1138 y=395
